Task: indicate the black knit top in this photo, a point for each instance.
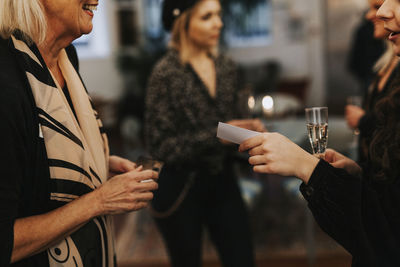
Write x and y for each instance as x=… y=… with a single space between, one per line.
x=182 y=117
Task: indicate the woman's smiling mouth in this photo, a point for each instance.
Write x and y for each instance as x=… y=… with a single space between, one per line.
x=90 y=8
x=393 y=35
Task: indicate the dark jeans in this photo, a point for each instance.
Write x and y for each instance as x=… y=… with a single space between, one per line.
x=213 y=203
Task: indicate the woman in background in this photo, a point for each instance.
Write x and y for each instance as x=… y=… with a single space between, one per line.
x=360 y=209
x=55 y=194
x=364 y=119
x=190 y=90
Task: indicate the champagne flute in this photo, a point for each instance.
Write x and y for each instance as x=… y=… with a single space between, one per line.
x=317 y=129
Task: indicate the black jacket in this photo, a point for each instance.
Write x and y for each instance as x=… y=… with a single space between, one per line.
x=360 y=214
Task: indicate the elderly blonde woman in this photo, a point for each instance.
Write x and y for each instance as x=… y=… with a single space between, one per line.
x=55 y=194
x=191 y=89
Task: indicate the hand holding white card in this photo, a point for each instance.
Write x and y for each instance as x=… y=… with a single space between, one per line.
x=234 y=134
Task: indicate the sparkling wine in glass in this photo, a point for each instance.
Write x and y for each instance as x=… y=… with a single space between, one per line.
x=317 y=129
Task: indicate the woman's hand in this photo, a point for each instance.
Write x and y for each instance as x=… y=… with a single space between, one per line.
x=353 y=115
x=250 y=124
x=118 y=165
x=337 y=160
x=126 y=192
x=276 y=154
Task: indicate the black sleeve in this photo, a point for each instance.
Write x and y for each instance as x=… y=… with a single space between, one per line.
x=334 y=197
x=356 y=214
x=13 y=164
x=15 y=108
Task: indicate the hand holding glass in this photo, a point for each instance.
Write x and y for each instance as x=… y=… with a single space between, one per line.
x=317 y=129
x=149 y=164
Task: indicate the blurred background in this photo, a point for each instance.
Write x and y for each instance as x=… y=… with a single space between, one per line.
x=291 y=54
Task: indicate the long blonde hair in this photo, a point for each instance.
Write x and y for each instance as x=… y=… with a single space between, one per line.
x=27 y=16
x=383 y=63
x=179 y=35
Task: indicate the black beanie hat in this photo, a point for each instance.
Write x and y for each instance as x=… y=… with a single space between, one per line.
x=172 y=9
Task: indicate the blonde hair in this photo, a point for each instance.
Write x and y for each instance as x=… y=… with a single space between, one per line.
x=26 y=16
x=383 y=63
x=180 y=38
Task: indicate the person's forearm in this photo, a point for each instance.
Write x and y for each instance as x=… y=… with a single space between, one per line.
x=37 y=233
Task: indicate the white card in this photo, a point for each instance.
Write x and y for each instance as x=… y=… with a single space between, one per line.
x=234 y=134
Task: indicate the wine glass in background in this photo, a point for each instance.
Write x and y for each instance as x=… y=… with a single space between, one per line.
x=355 y=100
x=317 y=129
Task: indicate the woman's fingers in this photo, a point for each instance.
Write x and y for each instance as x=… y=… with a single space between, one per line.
x=143 y=181
x=120 y=165
x=333 y=156
x=258 y=150
x=330 y=155
x=149 y=185
x=253 y=142
x=261 y=169
x=128 y=191
x=128 y=165
x=146 y=197
x=139 y=168
x=257 y=160
x=339 y=164
x=139 y=175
